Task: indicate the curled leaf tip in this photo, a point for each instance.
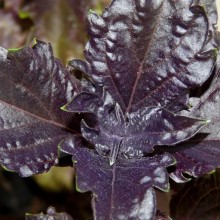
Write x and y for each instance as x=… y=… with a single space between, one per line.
x=64 y=108
x=34 y=42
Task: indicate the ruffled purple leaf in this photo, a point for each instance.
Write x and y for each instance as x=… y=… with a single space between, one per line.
x=33 y=87
x=124 y=190
x=142 y=60
x=201 y=154
x=132 y=36
x=212 y=16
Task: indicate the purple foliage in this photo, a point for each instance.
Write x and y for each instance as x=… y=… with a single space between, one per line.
x=139 y=114
x=33 y=86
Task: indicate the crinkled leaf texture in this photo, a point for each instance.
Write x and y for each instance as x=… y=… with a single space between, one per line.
x=121 y=57
x=142 y=59
x=33 y=87
x=201 y=154
x=143 y=130
x=132 y=36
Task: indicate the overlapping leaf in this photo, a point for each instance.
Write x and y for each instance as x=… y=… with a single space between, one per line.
x=130 y=119
x=212 y=16
x=201 y=154
x=142 y=59
x=121 y=191
x=145 y=128
x=33 y=87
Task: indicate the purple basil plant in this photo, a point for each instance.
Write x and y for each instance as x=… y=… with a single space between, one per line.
x=145 y=98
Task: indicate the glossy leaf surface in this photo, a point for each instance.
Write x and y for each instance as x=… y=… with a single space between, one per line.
x=142 y=58
x=132 y=36
x=33 y=87
x=201 y=154
x=145 y=128
x=124 y=190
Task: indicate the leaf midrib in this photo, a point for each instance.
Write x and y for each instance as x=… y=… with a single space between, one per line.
x=140 y=71
x=39 y=118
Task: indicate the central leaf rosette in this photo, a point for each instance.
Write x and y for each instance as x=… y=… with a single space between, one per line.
x=133 y=135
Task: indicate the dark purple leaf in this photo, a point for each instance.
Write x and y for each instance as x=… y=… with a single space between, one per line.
x=33 y=87
x=124 y=190
x=212 y=15
x=142 y=59
x=132 y=36
x=130 y=117
x=201 y=154
x=198 y=199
